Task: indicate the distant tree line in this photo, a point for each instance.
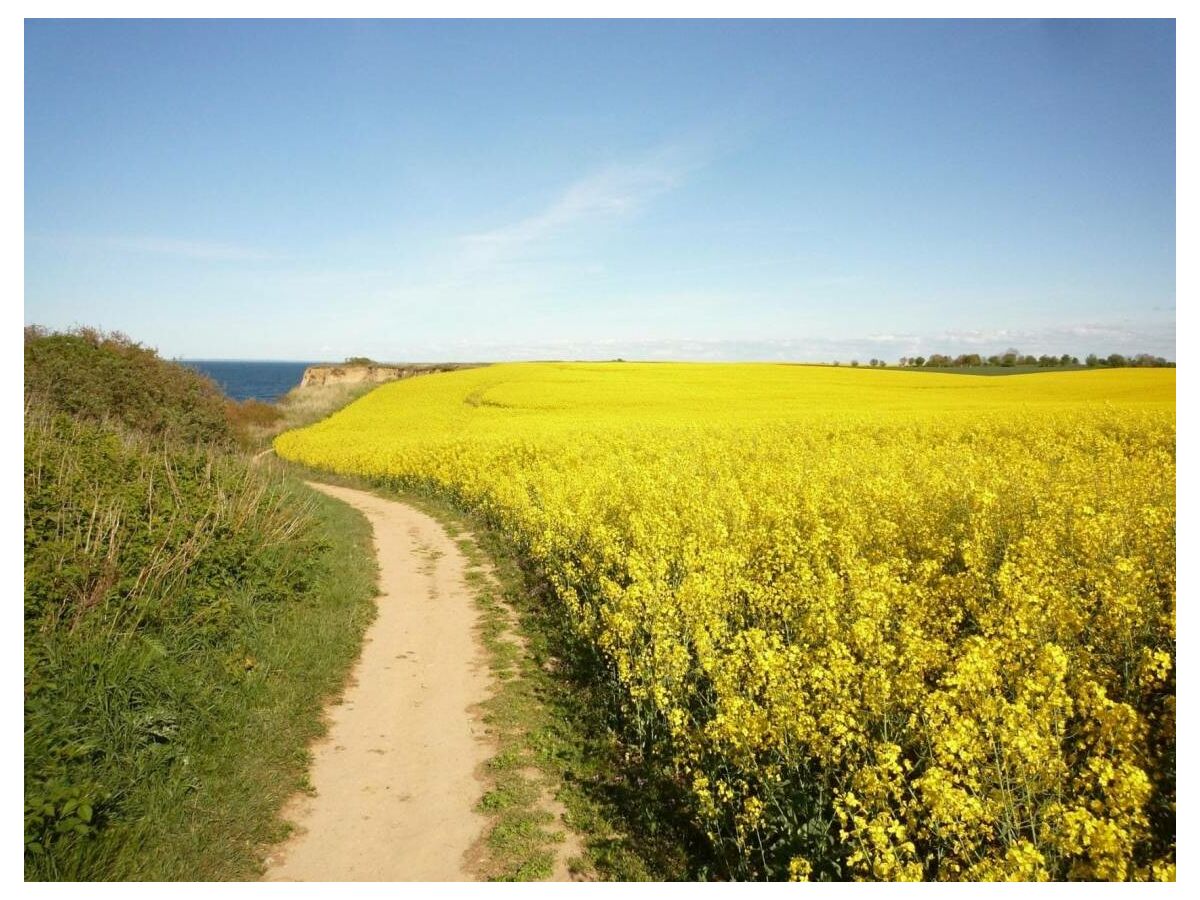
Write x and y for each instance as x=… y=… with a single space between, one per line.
x=1141 y=361
x=1011 y=358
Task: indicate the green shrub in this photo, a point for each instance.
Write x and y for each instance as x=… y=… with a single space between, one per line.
x=102 y=376
x=122 y=531
x=247 y=415
x=187 y=613
x=143 y=568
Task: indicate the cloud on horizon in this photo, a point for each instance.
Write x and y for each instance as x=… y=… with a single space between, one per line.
x=1079 y=339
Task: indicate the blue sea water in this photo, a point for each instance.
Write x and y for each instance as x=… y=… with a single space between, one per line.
x=250 y=379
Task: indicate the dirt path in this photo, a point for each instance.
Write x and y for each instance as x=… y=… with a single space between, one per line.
x=395 y=776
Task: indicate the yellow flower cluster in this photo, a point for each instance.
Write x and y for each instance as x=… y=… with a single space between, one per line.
x=879 y=624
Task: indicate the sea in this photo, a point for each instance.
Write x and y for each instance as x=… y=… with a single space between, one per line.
x=247 y=379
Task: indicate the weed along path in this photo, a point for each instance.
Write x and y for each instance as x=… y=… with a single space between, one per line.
x=394 y=779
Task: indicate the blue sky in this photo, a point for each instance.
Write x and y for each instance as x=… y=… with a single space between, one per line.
x=693 y=190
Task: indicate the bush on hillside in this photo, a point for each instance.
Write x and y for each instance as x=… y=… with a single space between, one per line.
x=181 y=625
x=248 y=416
x=106 y=376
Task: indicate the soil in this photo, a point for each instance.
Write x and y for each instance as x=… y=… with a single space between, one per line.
x=394 y=780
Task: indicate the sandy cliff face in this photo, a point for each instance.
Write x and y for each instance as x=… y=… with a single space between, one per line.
x=319 y=376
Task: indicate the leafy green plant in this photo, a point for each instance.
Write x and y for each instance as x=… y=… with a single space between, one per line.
x=187 y=612
x=107 y=376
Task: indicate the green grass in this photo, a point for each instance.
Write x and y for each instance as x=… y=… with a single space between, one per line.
x=187 y=615
x=160 y=744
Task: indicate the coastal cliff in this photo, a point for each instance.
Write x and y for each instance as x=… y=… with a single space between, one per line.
x=373 y=373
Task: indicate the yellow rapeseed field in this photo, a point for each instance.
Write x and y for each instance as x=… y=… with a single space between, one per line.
x=878 y=624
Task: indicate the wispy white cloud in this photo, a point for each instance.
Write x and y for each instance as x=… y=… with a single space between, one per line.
x=1119 y=334
x=609 y=193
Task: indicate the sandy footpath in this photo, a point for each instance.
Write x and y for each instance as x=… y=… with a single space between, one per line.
x=395 y=776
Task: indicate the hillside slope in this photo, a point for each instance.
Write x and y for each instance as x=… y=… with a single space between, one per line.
x=186 y=613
